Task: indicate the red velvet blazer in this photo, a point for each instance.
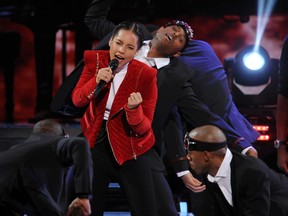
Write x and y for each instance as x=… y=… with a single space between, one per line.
x=129 y=131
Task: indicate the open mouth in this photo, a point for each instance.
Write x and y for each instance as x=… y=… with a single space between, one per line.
x=169 y=38
x=119 y=58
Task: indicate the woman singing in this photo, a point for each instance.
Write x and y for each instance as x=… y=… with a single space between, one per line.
x=117 y=124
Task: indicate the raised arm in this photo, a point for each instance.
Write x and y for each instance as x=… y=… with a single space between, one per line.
x=196 y=113
x=96 y=18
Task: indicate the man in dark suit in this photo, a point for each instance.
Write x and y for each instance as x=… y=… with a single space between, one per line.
x=44 y=18
x=32 y=174
x=240 y=185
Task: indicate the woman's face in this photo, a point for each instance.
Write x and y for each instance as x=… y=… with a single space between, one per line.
x=123 y=47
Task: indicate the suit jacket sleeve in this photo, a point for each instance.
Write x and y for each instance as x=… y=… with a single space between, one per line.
x=210 y=84
x=196 y=113
x=96 y=18
x=175 y=155
x=101 y=27
x=44 y=166
x=76 y=152
x=84 y=89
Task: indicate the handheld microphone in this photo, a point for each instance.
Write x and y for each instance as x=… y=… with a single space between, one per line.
x=113 y=65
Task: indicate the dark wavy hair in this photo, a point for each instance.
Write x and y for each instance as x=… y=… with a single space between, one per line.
x=131 y=26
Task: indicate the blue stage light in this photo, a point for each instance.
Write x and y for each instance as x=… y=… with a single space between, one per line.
x=252 y=77
x=252 y=66
x=253 y=60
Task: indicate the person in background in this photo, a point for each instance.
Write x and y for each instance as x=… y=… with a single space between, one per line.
x=45 y=18
x=33 y=173
x=240 y=185
x=282 y=114
x=117 y=125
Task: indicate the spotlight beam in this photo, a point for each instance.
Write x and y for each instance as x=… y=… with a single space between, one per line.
x=263 y=13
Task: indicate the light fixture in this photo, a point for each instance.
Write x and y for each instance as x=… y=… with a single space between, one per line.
x=252 y=66
x=253 y=77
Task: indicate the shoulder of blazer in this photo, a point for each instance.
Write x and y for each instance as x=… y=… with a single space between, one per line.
x=241 y=162
x=179 y=65
x=178 y=68
x=142 y=67
x=92 y=56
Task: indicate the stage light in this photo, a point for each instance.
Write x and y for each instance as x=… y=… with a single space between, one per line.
x=251 y=66
x=253 y=61
x=253 y=77
x=264 y=138
x=261 y=128
x=265 y=132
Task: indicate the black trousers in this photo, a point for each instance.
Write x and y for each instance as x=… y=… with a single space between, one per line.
x=142 y=181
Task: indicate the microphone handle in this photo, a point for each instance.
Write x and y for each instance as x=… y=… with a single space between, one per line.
x=99 y=87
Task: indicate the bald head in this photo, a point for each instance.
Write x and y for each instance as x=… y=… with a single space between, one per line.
x=206 y=150
x=208 y=133
x=48 y=126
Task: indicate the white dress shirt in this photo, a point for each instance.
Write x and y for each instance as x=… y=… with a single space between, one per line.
x=223 y=177
x=115 y=84
x=142 y=56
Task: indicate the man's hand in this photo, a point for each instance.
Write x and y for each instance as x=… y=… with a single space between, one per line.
x=79 y=207
x=192 y=183
x=282 y=158
x=252 y=152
